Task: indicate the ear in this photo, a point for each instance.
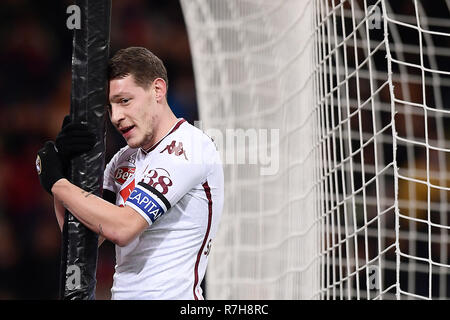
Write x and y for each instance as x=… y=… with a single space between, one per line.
x=160 y=89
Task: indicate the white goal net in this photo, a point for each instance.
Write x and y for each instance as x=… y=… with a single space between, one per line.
x=333 y=120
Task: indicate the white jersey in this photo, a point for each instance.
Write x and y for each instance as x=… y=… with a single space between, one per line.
x=177 y=186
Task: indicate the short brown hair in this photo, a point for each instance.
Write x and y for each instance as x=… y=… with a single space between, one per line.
x=139 y=62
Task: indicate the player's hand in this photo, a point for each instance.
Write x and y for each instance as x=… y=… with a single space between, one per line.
x=73 y=140
x=49 y=166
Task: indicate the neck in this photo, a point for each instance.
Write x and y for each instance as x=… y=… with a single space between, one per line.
x=163 y=125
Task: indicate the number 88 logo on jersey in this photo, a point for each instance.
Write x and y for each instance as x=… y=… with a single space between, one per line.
x=159 y=179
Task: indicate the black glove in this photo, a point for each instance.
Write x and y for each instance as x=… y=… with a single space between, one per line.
x=48 y=165
x=73 y=140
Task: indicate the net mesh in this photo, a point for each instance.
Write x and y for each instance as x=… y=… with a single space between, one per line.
x=346 y=106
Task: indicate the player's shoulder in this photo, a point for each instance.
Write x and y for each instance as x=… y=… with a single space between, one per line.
x=202 y=147
x=193 y=135
x=189 y=144
x=120 y=167
x=125 y=154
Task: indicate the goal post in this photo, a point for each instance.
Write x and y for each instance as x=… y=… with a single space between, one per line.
x=345 y=104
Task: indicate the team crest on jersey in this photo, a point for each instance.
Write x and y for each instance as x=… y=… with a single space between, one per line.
x=174 y=148
x=132 y=158
x=123 y=173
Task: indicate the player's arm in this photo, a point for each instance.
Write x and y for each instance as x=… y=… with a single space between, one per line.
x=120 y=225
x=60 y=212
x=117 y=224
x=111 y=198
x=73 y=140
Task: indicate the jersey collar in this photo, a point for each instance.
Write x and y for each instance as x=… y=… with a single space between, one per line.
x=174 y=128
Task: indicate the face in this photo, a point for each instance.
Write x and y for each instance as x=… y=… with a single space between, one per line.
x=134 y=110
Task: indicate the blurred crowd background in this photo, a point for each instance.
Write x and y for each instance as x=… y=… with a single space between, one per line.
x=35 y=82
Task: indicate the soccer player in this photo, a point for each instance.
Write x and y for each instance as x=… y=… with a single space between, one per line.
x=166 y=186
